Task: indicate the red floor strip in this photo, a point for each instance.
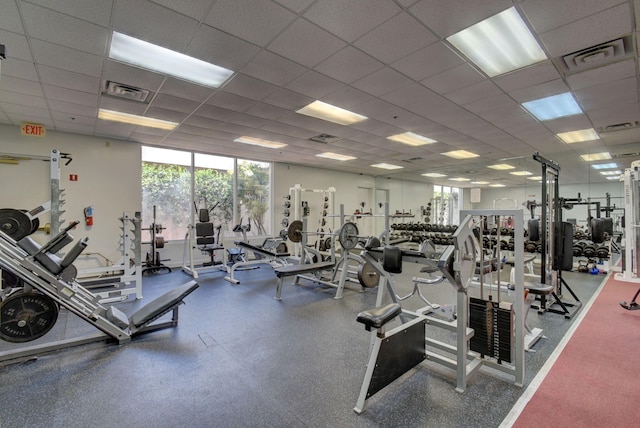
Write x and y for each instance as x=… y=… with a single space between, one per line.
x=594 y=382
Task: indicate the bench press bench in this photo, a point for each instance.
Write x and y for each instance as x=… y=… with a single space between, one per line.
x=274 y=258
x=299 y=269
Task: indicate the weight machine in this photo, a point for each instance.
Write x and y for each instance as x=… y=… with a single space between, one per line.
x=201 y=235
x=631 y=237
x=300 y=208
x=488 y=333
x=49 y=283
x=152 y=263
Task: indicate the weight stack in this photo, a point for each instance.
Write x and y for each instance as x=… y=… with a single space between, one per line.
x=492 y=323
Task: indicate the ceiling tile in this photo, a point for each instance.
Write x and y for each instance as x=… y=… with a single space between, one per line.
x=17 y=46
x=68 y=79
x=395 y=39
x=66 y=59
x=349 y=65
x=350 y=19
x=429 y=61
x=153 y=23
x=13 y=84
x=266 y=111
x=620 y=70
x=169 y=102
x=542 y=90
x=287 y=99
x=249 y=87
x=184 y=89
x=273 y=68
x=70 y=95
x=296 y=6
x=314 y=84
x=164 y=114
x=230 y=101
x=529 y=76
x=306 y=44
x=585 y=33
x=9 y=18
x=224 y=50
x=455 y=78
x=618 y=91
x=18 y=68
x=122 y=105
x=478 y=91
x=196 y=9
x=382 y=82
x=257 y=22
x=347 y=97
x=545 y=15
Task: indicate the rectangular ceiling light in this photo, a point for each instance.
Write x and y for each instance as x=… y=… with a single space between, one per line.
x=595 y=156
x=579 y=136
x=433 y=174
x=411 y=139
x=501 y=166
x=324 y=111
x=605 y=166
x=460 y=179
x=553 y=107
x=146 y=55
x=479 y=182
x=497 y=185
x=613 y=177
x=335 y=156
x=134 y=119
x=460 y=154
x=499 y=44
x=521 y=173
x=616 y=172
x=260 y=142
x=387 y=166
x=536 y=178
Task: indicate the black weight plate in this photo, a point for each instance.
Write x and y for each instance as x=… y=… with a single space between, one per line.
x=368 y=276
x=26 y=316
x=35 y=224
x=15 y=223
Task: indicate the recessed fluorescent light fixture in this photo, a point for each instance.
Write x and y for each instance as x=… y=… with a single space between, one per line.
x=497 y=185
x=335 y=156
x=536 y=178
x=553 y=107
x=499 y=44
x=521 y=173
x=595 y=156
x=617 y=177
x=324 y=111
x=459 y=179
x=501 y=166
x=434 y=174
x=152 y=57
x=134 y=119
x=578 y=136
x=605 y=166
x=260 y=142
x=387 y=166
x=411 y=139
x=479 y=182
x=616 y=172
x=460 y=154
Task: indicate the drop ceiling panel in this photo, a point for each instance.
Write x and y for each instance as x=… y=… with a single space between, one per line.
x=349 y=65
x=566 y=124
x=266 y=111
x=29 y=87
x=542 y=90
x=118 y=72
x=273 y=68
x=68 y=79
x=529 y=76
x=249 y=87
x=612 y=115
x=217 y=47
x=184 y=89
x=475 y=92
x=620 y=92
x=169 y=102
x=590 y=31
x=296 y=6
x=65 y=30
x=621 y=137
x=125 y=106
x=10 y=18
x=230 y=101
x=306 y=43
x=453 y=79
x=382 y=82
x=348 y=97
x=545 y=15
x=18 y=45
x=18 y=68
x=431 y=60
x=617 y=71
x=196 y=9
x=70 y=95
x=66 y=59
x=287 y=100
x=396 y=38
x=153 y=23
x=164 y=114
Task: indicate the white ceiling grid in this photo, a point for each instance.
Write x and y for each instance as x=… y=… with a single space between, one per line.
x=386 y=59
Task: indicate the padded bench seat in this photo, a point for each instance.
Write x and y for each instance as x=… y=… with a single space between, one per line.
x=261 y=250
x=537 y=288
x=291 y=270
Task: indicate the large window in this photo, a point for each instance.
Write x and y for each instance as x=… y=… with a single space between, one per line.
x=167 y=184
x=446 y=205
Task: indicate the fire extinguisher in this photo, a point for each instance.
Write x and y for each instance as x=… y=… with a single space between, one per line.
x=88 y=216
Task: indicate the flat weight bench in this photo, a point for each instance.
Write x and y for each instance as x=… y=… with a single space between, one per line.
x=296 y=270
x=271 y=257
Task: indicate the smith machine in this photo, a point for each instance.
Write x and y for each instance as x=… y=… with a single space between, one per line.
x=631 y=240
x=488 y=333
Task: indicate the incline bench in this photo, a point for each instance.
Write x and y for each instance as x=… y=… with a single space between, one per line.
x=299 y=269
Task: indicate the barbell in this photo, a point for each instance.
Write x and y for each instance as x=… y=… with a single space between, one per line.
x=347 y=234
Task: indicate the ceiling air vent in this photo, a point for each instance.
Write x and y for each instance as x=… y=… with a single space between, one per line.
x=324 y=138
x=618 y=127
x=120 y=90
x=598 y=56
x=412 y=159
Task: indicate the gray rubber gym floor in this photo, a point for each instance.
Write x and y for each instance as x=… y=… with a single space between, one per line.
x=239 y=358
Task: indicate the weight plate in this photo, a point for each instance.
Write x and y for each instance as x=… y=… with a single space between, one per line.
x=35 y=224
x=348 y=235
x=285 y=222
x=368 y=276
x=294 y=233
x=15 y=223
x=26 y=316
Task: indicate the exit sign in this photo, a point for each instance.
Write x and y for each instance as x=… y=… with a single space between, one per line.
x=33 y=129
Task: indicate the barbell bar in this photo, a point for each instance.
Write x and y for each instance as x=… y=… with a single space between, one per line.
x=347 y=234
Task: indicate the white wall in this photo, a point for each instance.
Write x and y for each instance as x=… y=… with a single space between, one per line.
x=108 y=180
